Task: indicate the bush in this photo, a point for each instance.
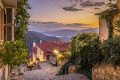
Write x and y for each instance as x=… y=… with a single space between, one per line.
x=111 y=50
x=64 y=57
x=86 y=52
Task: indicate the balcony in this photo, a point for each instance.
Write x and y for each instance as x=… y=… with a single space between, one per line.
x=10 y=3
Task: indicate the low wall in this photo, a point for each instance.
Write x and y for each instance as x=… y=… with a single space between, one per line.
x=106 y=72
x=73 y=68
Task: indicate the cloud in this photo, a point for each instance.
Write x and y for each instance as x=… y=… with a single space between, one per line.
x=76 y=0
x=71 y=8
x=97 y=8
x=50 y=26
x=91 y=4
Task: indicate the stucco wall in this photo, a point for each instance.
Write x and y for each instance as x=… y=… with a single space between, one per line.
x=41 y=54
x=4 y=72
x=106 y=72
x=103 y=30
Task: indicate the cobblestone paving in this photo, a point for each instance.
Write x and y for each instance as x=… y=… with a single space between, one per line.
x=73 y=76
x=21 y=77
x=48 y=72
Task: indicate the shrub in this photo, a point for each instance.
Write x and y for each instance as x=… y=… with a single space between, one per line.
x=86 y=52
x=111 y=50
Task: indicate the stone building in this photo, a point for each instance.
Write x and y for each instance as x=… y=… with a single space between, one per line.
x=7 y=13
x=103 y=28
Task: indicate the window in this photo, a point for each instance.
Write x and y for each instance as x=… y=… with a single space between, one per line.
x=8 y=28
x=8 y=33
x=40 y=52
x=44 y=57
x=9 y=15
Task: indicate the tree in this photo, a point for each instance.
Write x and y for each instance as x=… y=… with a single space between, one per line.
x=85 y=51
x=13 y=53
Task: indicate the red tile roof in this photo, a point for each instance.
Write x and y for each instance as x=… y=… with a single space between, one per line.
x=50 y=46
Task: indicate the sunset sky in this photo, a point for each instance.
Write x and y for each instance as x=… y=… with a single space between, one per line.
x=65 y=14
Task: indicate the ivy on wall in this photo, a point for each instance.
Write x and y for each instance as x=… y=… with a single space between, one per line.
x=108 y=15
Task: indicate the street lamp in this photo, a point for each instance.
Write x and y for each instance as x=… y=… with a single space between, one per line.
x=56 y=53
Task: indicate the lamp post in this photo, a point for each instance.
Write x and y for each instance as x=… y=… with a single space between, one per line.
x=56 y=53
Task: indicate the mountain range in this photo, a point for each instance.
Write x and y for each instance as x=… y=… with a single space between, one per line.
x=70 y=33
x=36 y=36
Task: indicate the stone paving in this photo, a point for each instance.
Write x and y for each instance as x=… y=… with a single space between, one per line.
x=48 y=72
x=72 y=76
x=20 y=77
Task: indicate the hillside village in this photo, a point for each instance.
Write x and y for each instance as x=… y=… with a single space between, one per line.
x=88 y=56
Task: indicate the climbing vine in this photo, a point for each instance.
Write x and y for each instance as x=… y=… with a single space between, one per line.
x=21 y=19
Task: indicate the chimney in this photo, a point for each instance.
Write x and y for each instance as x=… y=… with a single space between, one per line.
x=34 y=44
x=118 y=4
x=40 y=41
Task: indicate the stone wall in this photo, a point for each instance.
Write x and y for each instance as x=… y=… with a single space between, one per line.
x=73 y=68
x=118 y=3
x=106 y=72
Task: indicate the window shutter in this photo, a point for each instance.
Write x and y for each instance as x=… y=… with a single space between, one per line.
x=9 y=15
x=5 y=34
x=8 y=25
x=9 y=33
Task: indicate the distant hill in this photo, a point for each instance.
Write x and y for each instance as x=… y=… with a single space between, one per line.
x=37 y=37
x=65 y=35
x=70 y=33
x=93 y=30
x=61 y=33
